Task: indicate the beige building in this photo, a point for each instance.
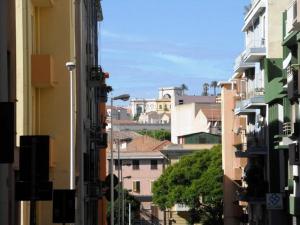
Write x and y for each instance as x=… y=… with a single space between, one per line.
x=194 y=114
x=160 y=105
x=42 y=36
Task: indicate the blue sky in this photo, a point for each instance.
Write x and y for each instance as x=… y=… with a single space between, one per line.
x=145 y=45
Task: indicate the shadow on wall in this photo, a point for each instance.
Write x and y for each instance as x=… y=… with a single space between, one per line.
x=232 y=210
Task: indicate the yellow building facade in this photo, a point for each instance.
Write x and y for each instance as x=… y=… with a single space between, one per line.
x=45 y=41
x=50 y=33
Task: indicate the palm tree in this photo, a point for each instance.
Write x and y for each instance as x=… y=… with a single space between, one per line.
x=205 y=89
x=184 y=87
x=214 y=85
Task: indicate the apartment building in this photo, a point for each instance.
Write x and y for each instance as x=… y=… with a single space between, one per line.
x=250 y=162
x=141 y=163
x=38 y=38
x=284 y=114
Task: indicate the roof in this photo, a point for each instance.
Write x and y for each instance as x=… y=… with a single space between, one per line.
x=138 y=155
x=197 y=99
x=142 y=147
x=123 y=122
x=116 y=107
x=218 y=135
x=145 y=144
x=212 y=114
x=124 y=135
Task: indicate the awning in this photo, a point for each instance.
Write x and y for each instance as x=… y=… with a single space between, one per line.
x=287 y=61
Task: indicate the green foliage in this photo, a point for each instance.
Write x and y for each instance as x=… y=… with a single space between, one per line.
x=195 y=176
x=135 y=208
x=136 y=117
x=157 y=134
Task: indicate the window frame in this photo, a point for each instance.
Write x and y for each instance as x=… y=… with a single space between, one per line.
x=153 y=166
x=135 y=166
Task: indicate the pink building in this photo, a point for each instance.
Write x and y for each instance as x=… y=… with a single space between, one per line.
x=141 y=164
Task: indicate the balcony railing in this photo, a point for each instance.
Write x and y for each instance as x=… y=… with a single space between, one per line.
x=240 y=65
x=255 y=49
x=253 y=10
x=258 y=91
x=287 y=128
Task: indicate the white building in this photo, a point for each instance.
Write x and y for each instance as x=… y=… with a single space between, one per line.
x=194 y=114
x=155 y=118
x=117 y=113
x=160 y=105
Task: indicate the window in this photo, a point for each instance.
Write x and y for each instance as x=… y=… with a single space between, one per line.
x=117 y=164
x=153 y=164
x=136 y=186
x=135 y=164
x=180 y=102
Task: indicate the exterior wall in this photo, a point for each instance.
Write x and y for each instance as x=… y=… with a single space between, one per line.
x=145 y=105
x=8 y=213
x=171 y=91
x=162 y=104
x=229 y=161
x=146 y=176
x=154 y=118
x=202 y=138
x=45 y=111
x=118 y=113
x=188 y=119
x=274 y=22
x=139 y=127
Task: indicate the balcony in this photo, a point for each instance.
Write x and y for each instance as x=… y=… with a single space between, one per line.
x=292 y=22
x=240 y=64
x=251 y=152
x=42 y=75
x=241 y=108
x=244 y=195
x=254 y=10
x=254 y=147
x=255 y=50
x=255 y=100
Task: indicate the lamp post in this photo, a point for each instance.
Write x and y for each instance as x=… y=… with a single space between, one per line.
x=71 y=66
x=123 y=97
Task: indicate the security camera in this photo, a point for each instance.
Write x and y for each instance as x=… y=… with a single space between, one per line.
x=70 y=65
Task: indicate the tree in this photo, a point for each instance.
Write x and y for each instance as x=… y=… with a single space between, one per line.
x=161 y=135
x=196 y=176
x=205 y=89
x=214 y=85
x=135 y=208
x=184 y=87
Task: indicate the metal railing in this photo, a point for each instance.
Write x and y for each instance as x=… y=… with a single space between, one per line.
x=287 y=128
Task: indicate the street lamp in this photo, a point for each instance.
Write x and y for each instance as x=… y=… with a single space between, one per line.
x=71 y=66
x=124 y=97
